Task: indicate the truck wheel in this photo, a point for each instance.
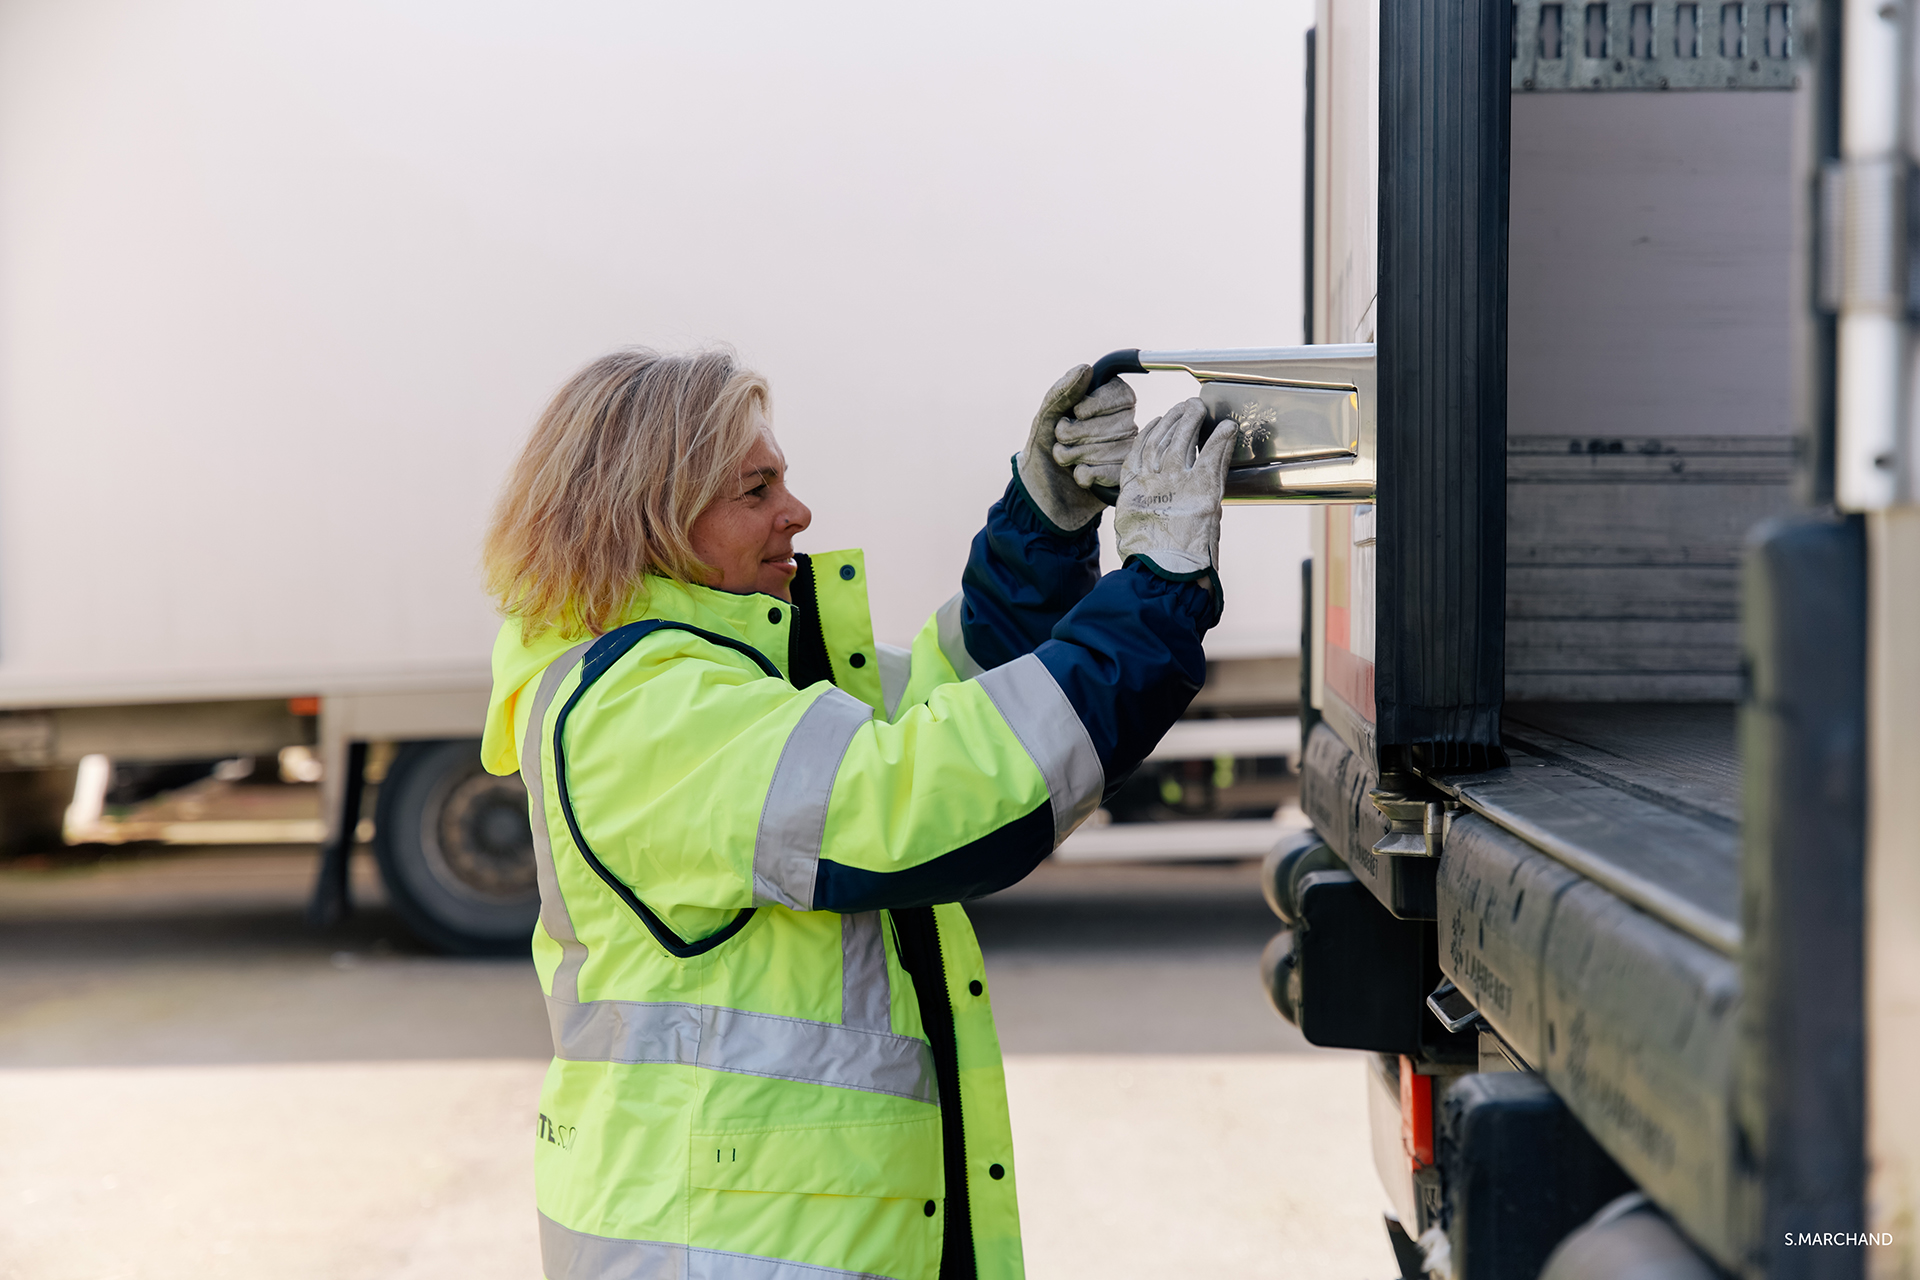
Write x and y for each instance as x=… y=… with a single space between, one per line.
x=33 y=809
x=456 y=851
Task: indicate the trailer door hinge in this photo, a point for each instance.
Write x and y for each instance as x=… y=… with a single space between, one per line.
x=1868 y=253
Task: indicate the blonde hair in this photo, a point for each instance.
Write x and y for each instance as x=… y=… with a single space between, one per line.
x=622 y=461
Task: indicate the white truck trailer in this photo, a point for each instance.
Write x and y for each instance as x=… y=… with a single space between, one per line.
x=283 y=288
x=1613 y=687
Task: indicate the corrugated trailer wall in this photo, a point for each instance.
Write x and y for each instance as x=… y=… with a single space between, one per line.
x=1648 y=419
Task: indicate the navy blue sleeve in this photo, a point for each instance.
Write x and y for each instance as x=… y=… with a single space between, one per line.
x=1022 y=577
x=1129 y=659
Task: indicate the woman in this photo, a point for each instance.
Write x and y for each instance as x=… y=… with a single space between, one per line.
x=773 y=1051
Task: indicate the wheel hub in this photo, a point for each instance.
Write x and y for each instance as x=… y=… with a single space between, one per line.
x=485 y=838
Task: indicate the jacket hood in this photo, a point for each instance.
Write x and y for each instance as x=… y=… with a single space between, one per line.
x=516 y=668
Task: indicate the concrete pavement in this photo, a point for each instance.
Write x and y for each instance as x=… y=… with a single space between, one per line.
x=203 y=1087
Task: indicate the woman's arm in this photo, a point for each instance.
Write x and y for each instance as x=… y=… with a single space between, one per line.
x=704 y=785
x=1023 y=574
x=1022 y=577
x=1085 y=706
x=968 y=791
x=1039 y=553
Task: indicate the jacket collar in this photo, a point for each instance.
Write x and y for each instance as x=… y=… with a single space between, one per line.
x=825 y=633
x=754 y=618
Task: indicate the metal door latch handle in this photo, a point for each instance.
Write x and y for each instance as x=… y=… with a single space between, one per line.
x=1416 y=826
x=1450 y=1004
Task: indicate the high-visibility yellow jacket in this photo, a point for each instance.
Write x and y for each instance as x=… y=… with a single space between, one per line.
x=774 y=1054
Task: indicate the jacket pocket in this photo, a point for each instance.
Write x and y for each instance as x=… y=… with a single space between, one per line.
x=863 y=1199
x=898 y=1160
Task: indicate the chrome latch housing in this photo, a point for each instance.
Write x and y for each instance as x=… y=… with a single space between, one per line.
x=1416 y=825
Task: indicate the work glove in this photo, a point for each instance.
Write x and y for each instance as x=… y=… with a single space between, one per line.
x=1169 y=509
x=1077 y=440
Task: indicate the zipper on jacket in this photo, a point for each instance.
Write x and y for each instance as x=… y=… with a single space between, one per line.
x=917 y=934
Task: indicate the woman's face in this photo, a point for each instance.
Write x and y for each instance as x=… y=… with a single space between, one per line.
x=747 y=533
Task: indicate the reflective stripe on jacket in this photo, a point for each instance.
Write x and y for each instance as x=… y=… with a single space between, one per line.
x=774 y=1051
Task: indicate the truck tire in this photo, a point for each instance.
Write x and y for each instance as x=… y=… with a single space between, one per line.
x=456 y=851
x=33 y=808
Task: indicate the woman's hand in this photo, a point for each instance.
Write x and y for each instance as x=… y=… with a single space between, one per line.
x=1094 y=441
x=1169 y=508
x=1077 y=440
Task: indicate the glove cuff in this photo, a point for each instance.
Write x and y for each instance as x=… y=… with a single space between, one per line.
x=1174 y=566
x=1062 y=505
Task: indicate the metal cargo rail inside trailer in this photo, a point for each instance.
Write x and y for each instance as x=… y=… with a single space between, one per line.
x=1585 y=731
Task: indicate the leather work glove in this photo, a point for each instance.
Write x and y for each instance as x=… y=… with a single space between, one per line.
x=1077 y=440
x=1169 y=509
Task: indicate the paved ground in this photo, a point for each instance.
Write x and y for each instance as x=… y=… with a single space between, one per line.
x=200 y=1086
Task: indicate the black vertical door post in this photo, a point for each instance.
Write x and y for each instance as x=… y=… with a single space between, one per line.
x=1442 y=334
x=1800 y=1084
x=1801 y=1073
